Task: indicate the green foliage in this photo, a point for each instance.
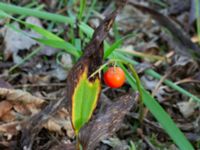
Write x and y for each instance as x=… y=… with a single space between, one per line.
x=82 y=8
x=84 y=100
x=132 y=146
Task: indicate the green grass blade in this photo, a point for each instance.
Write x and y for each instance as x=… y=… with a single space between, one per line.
x=81 y=9
x=86 y=29
x=91 y=8
x=69 y=48
x=198 y=19
x=159 y=113
x=139 y=88
x=28 y=57
x=36 y=13
x=115 y=45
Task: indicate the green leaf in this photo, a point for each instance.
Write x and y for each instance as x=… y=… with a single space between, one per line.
x=84 y=100
x=69 y=48
x=86 y=29
x=81 y=9
x=33 y=12
x=115 y=45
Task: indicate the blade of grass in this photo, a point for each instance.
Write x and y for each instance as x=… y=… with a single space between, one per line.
x=90 y=11
x=69 y=48
x=159 y=2
x=28 y=57
x=86 y=29
x=116 y=44
x=81 y=9
x=138 y=85
x=140 y=54
x=36 y=13
x=160 y=114
x=198 y=18
x=31 y=5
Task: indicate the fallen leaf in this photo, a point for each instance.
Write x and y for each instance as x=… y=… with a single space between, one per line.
x=52 y=125
x=5 y=106
x=10 y=128
x=9 y=116
x=187 y=108
x=21 y=108
x=116 y=143
x=15 y=41
x=4 y=84
x=20 y=96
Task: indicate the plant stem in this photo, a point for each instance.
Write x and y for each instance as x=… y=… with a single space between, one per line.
x=138 y=84
x=198 y=19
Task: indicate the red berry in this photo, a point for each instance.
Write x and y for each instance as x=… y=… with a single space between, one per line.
x=114 y=77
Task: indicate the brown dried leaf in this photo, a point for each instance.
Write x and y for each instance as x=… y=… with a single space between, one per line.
x=105 y=124
x=10 y=128
x=52 y=125
x=5 y=106
x=9 y=116
x=64 y=146
x=68 y=127
x=4 y=84
x=20 y=96
x=34 y=109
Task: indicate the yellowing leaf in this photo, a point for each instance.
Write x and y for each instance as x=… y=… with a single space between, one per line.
x=84 y=100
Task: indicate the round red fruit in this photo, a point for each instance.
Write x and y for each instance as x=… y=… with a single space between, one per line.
x=114 y=77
